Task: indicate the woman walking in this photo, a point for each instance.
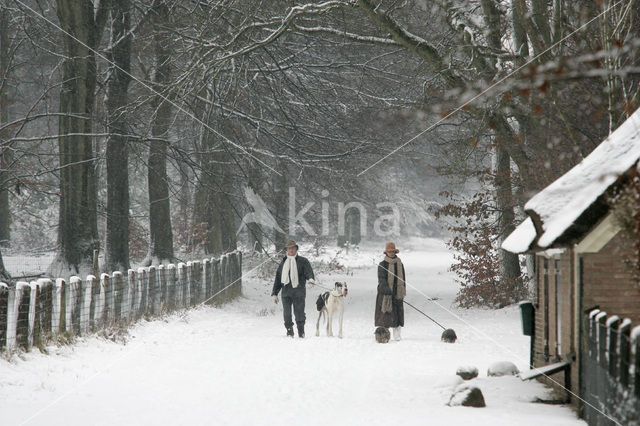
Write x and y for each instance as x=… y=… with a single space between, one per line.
x=391 y=291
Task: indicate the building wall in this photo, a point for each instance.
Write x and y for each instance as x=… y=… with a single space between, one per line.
x=554 y=304
x=608 y=280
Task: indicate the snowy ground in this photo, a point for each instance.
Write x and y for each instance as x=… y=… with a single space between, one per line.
x=233 y=365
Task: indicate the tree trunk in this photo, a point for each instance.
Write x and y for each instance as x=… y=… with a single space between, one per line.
x=5 y=160
x=207 y=221
x=510 y=265
x=78 y=230
x=225 y=206
x=519 y=30
x=254 y=230
x=281 y=202
x=160 y=231
x=5 y=277
x=117 y=153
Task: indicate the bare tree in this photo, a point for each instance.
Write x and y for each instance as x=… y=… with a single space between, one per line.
x=78 y=232
x=160 y=232
x=5 y=157
x=117 y=157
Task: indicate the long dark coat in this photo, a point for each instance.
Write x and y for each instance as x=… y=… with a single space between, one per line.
x=395 y=318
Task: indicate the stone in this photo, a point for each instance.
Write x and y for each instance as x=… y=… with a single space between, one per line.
x=467 y=396
x=502 y=368
x=467 y=372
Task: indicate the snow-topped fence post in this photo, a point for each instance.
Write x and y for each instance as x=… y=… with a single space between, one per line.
x=635 y=344
x=215 y=279
x=181 y=284
x=118 y=296
x=4 y=305
x=132 y=282
x=612 y=326
x=44 y=311
x=58 y=312
x=153 y=290
x=206 y=271
x=224 y=274
x=171 y=287
x=196 y=282
x=32 y=313
x=610 y=369
x=22 y=327
x=624 y=337
x=109 y=300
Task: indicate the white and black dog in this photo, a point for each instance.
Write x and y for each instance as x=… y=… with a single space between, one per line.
x=332 y=303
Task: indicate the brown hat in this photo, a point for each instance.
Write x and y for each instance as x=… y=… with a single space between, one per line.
x=290 y=244
x=390 y=247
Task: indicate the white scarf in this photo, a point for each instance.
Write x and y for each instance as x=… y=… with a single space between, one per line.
x=290 y=267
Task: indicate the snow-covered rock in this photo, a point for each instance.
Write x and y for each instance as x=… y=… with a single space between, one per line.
x=467 y=372
x=502 y=368
x=467 y=396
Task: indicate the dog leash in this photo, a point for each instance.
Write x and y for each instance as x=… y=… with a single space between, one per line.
x=321 y=286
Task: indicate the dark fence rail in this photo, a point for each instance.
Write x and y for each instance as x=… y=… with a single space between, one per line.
x=32 y=313
x=611 y=371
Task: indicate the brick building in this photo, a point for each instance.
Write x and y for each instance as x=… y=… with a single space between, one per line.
x=584 y=255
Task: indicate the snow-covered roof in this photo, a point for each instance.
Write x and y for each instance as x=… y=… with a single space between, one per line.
x=563 y=201
x=521 y=238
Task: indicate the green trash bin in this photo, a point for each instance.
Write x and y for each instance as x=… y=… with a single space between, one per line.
x=527 y=312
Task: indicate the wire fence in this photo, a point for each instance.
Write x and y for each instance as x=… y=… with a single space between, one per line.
x=611 y=370
x=34 y=313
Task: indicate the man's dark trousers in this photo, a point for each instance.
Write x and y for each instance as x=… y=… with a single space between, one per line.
x=297 y=300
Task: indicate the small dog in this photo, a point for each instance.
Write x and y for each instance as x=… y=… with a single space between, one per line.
x=449 y=336
x=332 y=303
x=382 y=335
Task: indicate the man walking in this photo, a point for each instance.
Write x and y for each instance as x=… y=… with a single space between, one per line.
x=292 y=275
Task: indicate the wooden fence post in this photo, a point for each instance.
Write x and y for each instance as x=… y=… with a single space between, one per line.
x=206 y=268
x=35 y=313
x=635 y=344
x=186 y=295
x=171 y=287
x=593 y=333
x=625 y=351
x=131 y=293
x=22 y=327
x=601 y=320
x=239 y=272
x=153 y=291
x=196 y=282
x=13 y=306
x=86 y=296
x=182 y=282
x=141 y=293
x=612 y=325
x=224 y=275
x=162 y=288
x=73 y=304
x=216 y=281
x=45 y=309
x=4 y=305
x=59 y=311
x=109 y=299
x=144 y=297
x=118 y=296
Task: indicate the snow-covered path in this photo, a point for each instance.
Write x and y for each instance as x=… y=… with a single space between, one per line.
x=233 y=365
